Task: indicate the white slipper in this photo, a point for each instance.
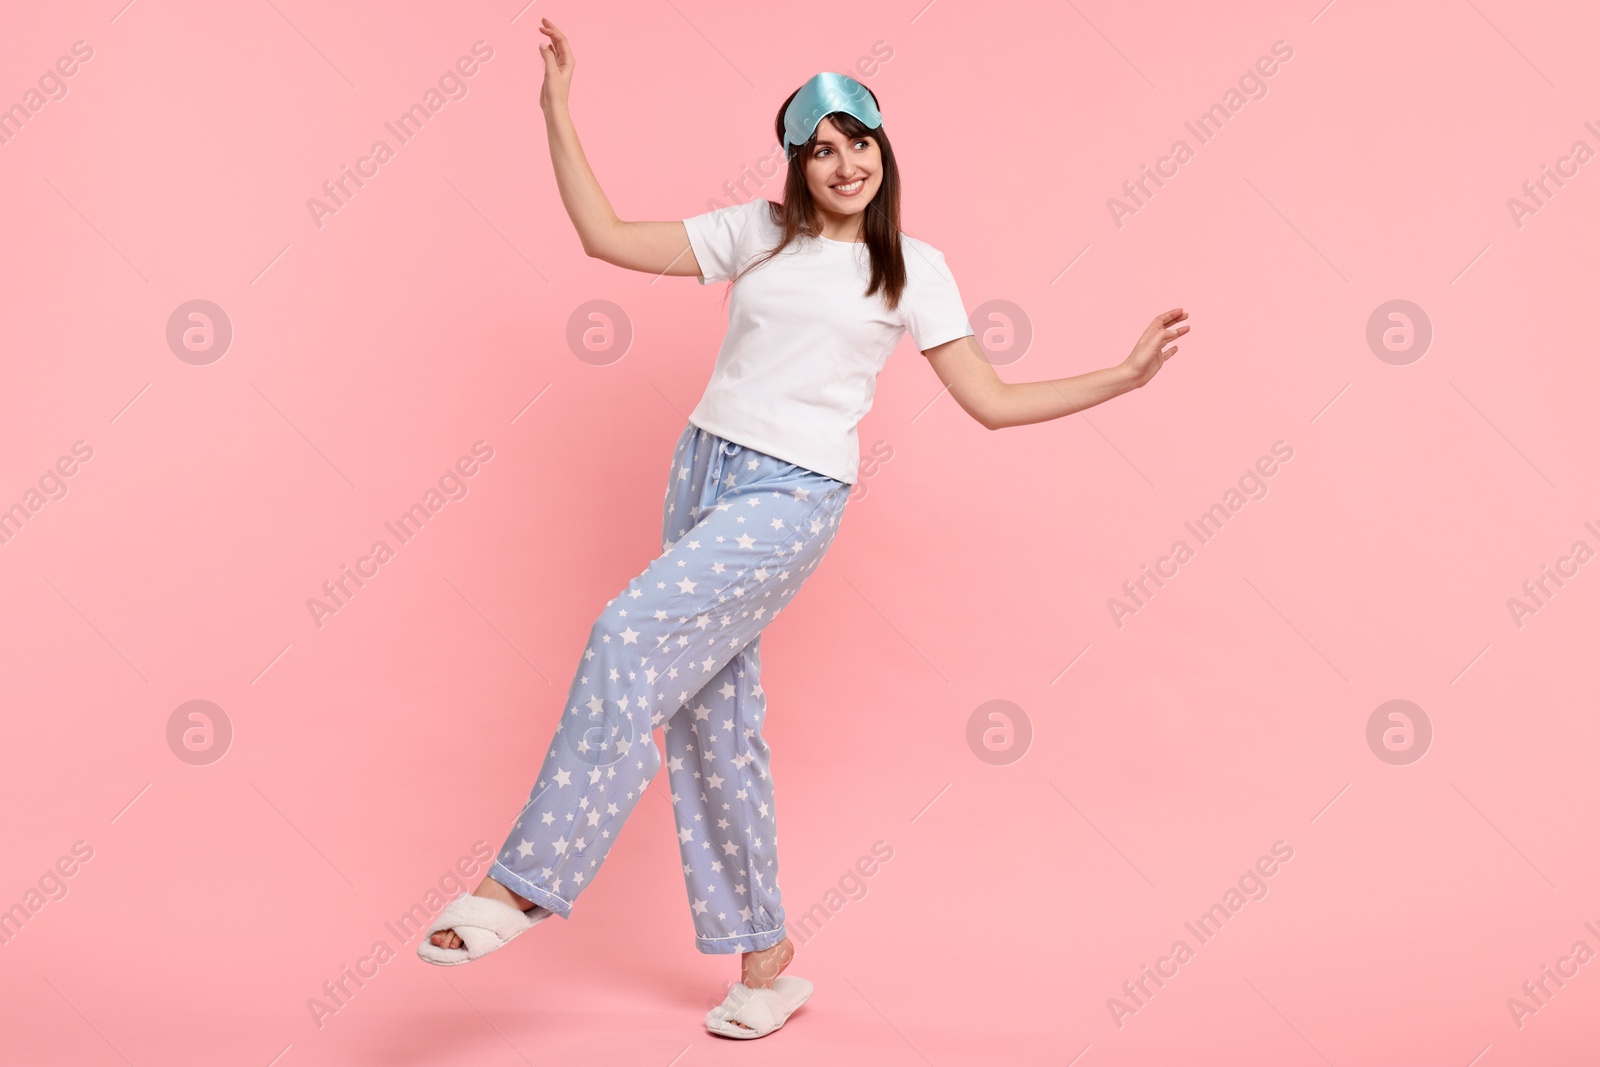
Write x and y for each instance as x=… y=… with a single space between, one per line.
x=761 y=1010
x=482 y=924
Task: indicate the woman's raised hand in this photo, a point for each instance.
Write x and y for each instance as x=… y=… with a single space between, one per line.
x=558 y=63
x=1151 y=350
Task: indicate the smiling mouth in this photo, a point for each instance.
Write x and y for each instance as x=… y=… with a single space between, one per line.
x=849 y=188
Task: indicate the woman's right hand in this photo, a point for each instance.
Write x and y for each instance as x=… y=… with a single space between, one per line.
x=558 y=62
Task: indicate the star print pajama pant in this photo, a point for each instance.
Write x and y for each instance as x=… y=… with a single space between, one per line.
x=741 y=532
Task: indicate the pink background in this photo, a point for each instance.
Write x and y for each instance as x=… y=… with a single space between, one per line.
x=432 y=310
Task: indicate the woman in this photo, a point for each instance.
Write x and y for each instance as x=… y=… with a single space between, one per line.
x=824 y=288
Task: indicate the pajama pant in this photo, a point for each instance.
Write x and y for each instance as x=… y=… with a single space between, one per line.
x=742 y=531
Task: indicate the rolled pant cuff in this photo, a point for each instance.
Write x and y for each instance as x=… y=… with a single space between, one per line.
x=524 y=888
x=758 y=941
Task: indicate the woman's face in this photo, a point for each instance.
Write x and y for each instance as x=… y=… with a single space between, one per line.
x=842 y=173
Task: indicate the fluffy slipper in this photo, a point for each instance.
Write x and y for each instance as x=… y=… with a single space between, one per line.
x=483 y=925
x=761 y=1010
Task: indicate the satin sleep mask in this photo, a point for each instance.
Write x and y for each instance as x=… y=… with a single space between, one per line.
x=820 y=97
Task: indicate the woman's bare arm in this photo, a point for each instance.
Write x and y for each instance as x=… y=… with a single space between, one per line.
x=994 y=403
x=653 y=247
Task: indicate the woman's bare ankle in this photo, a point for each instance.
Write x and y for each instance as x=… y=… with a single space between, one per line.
x=760 y=968
x=495 y=891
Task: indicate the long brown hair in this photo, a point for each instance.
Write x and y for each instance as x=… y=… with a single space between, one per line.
x=880 y=219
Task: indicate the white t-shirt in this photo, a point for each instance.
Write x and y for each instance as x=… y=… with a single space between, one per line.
x=797 y=368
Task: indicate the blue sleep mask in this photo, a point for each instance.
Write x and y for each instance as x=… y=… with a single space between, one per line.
x=820 y=97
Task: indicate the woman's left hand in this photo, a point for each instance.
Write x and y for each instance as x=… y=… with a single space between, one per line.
x=1152 y=350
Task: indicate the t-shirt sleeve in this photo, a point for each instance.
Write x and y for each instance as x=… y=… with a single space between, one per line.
x=932 y=302
x=720 y=238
